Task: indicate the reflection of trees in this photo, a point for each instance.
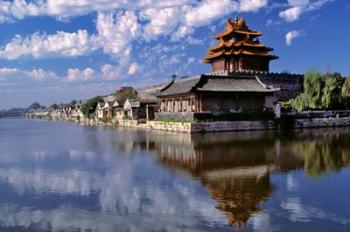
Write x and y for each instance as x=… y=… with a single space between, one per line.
x=323 y=155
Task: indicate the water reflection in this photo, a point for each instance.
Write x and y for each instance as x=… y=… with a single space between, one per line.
x=100 y=179
x=235 y=168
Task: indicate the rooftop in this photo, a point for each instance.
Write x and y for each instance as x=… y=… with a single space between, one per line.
x=217 y=83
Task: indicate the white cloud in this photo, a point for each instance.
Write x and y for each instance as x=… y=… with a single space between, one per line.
x=291 y=14
x=11 y=75
x=80 y=75
x=252 y=5
x=111 y=72
x=114 y=37
x=43 y=46
x=162 y=22
x=291 y=35
x=41 y=75
x=115 y=32
x=63 y=9
x=298 y=7
x=133 y=69
x=202 y=14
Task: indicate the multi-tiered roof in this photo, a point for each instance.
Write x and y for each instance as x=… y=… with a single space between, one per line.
x=238 y=41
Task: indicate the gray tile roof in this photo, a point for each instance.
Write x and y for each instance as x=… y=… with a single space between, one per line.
x=232 y=84
x=216 y=84
x=180 y=86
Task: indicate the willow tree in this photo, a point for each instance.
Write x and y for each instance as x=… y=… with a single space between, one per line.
x=311 y=97
x=332 y=97
x=320 y=92
x=345 y=93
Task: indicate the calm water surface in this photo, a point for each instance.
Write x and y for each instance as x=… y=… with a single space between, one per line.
x=65 y=177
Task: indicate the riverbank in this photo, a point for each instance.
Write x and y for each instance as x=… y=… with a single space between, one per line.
x=288 y=121
x=196 y=127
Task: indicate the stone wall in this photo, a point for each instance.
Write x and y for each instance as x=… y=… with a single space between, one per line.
x=196 y=127
x=321 y=122
x=291 y=85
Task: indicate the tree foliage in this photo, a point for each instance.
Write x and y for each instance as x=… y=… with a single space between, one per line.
x=321 y=91
x=125 y=93
x=88 y=108
x=345 y=92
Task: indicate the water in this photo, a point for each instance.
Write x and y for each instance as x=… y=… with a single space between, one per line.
x=65 y=177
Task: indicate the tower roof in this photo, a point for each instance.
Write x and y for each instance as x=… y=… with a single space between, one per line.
x=238 y=40
x=237 y=26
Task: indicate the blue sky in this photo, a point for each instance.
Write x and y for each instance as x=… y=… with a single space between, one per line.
x=54 y=51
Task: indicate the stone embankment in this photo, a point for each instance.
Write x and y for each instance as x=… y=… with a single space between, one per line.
x=222 y=126
x=195 y=127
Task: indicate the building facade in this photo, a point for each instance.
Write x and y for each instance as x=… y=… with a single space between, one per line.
x=217 y=94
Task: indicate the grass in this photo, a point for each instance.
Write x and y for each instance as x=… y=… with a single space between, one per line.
x=106 y=119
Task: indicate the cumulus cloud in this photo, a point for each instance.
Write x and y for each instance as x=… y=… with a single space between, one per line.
x=134 y=67
x=56 y=45
x=291 y=14
x=291 y=35
x=63 y=9
x=252 y=5
x=298 y=7
x=80 y=75
x=203 y=14
x=116 y=32
x=114 y=37
x=161 y=22
x=14 y=74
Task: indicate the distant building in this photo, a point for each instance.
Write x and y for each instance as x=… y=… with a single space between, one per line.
x=104 y=110
x=137 y=109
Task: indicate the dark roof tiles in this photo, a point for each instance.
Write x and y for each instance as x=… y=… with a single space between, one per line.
x=217 y=84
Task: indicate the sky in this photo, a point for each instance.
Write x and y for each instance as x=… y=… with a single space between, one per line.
x=56 y=51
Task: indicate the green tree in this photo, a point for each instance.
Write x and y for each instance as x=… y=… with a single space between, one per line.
x=74 y=102
x=320 y=92
x=125 y=93
x=331 y=97
x=88 y=108
x=313 y=84
x=345 y=93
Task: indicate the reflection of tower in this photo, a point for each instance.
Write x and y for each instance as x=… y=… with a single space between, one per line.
x=234 y=168
x=240 y=194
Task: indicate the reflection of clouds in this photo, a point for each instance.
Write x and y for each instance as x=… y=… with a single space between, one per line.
x=49 y=155
x=262 y=222
x=65 y=182
x=72 y=219
x=119 y=193
x=292 y=183
x=299 y=212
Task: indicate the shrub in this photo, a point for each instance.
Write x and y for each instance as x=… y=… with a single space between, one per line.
x=88 y=108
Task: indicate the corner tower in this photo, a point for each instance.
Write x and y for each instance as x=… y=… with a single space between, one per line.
x=239 y=49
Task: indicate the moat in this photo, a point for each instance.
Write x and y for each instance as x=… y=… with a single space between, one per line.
x=57 y=176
